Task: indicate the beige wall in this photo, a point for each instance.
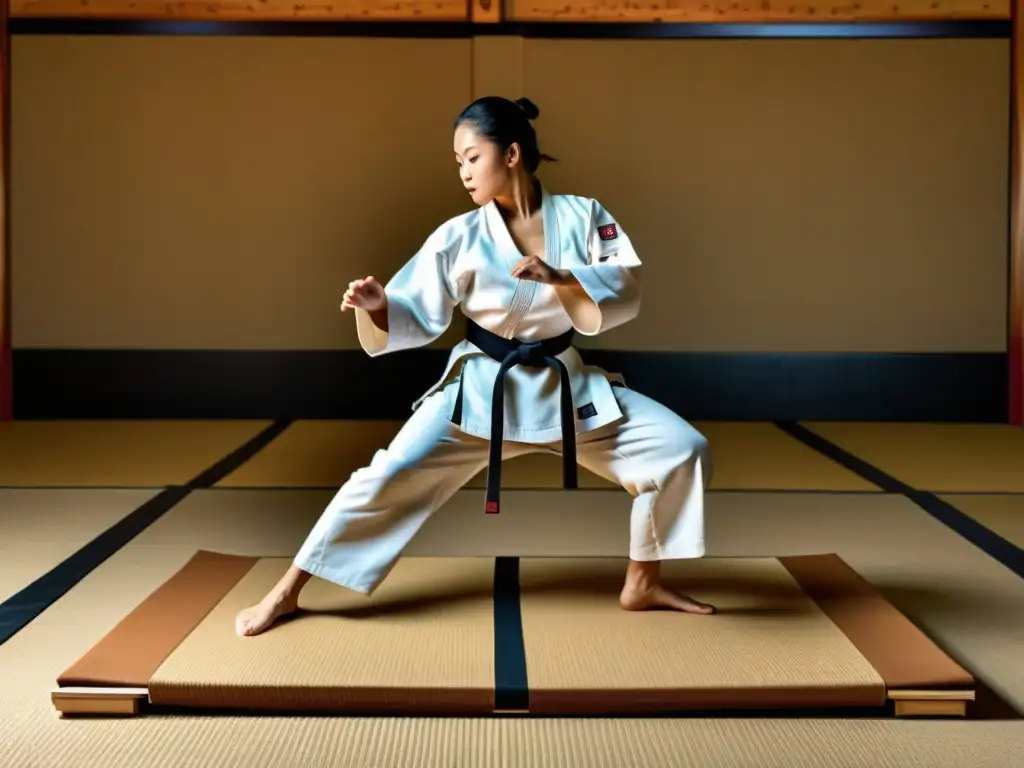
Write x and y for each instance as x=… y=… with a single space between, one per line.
x=219 y=193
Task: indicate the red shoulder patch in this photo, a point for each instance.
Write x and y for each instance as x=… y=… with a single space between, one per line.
x=608 y=232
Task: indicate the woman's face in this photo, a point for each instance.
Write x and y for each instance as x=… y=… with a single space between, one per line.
x=485 y=170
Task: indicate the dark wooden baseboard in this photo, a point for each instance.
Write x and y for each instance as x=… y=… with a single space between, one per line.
x=856 y=29
x=87 y=384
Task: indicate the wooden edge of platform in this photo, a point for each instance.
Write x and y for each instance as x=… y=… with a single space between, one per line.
x=128 y=655
x=95 y=700
x=920 y=678
x=931 y=703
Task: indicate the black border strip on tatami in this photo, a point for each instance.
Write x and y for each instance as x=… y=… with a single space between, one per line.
x=19 y=610
x=566 y=30
x=989 y=542
x=511 y=687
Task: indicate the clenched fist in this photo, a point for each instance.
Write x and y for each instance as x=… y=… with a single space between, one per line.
x=365 y=294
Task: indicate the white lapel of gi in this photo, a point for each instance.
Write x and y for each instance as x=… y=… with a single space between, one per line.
x=508 y=255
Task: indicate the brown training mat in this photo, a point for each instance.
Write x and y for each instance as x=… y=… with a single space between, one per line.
x=791 y=632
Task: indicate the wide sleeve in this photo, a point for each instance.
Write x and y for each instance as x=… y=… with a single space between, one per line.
x=422 y=297
x=610 y=281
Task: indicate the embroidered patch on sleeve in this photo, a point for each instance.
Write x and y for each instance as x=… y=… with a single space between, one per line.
x=608 y=232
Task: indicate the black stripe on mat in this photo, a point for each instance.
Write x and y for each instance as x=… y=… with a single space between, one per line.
x=23 y=607
x=511 y=688
x=987 y=541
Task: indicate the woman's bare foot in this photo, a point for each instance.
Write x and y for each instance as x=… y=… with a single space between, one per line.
x=260 y=617
x=281 y=601
x=643 y=591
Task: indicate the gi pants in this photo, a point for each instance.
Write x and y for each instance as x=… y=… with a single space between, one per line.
x=656 y=456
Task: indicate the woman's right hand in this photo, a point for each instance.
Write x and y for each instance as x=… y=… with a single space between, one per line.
x=366 y=294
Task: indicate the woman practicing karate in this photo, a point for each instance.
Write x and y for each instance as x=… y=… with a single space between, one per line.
x=528 y=269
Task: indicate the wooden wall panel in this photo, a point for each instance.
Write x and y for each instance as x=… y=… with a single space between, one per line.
x=486 y=11
x=247 y=10
x=727 y=11
x=517 y=10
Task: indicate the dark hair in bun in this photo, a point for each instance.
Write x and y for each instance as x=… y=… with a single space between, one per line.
x=528 y=107
x=506 y=122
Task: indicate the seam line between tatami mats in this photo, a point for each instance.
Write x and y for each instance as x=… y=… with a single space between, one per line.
x=988 y=541
x=23 y=607
x=545 y=489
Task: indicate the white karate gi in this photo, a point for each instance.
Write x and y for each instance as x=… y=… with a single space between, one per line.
x=622 y=435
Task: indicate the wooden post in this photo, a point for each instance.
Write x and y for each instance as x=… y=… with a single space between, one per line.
x=486 y=11
x=6 y=372
x=1016 y=330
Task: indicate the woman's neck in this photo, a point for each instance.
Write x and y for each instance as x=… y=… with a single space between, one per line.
x=523 y=201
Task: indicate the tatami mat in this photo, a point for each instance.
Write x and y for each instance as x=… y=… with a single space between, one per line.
x=790 y=633
x=40 y=528
x=760 y=456
x=391 y=660
x=769 y=640
x=115 y=453
x=936 y=457
x=969 y=603
x=1002 y=514
x=315 y=454
x=323 y=453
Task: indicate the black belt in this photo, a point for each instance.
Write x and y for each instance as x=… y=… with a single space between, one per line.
x=511 y=352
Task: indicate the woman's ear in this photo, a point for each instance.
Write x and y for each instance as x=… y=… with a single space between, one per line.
x=513 y=155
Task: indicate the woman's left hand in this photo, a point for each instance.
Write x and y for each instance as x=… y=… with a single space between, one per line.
x=536 y=269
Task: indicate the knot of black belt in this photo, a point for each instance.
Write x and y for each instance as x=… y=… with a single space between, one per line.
x=511 y=352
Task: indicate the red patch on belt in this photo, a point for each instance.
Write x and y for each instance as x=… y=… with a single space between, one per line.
x=608 y=232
